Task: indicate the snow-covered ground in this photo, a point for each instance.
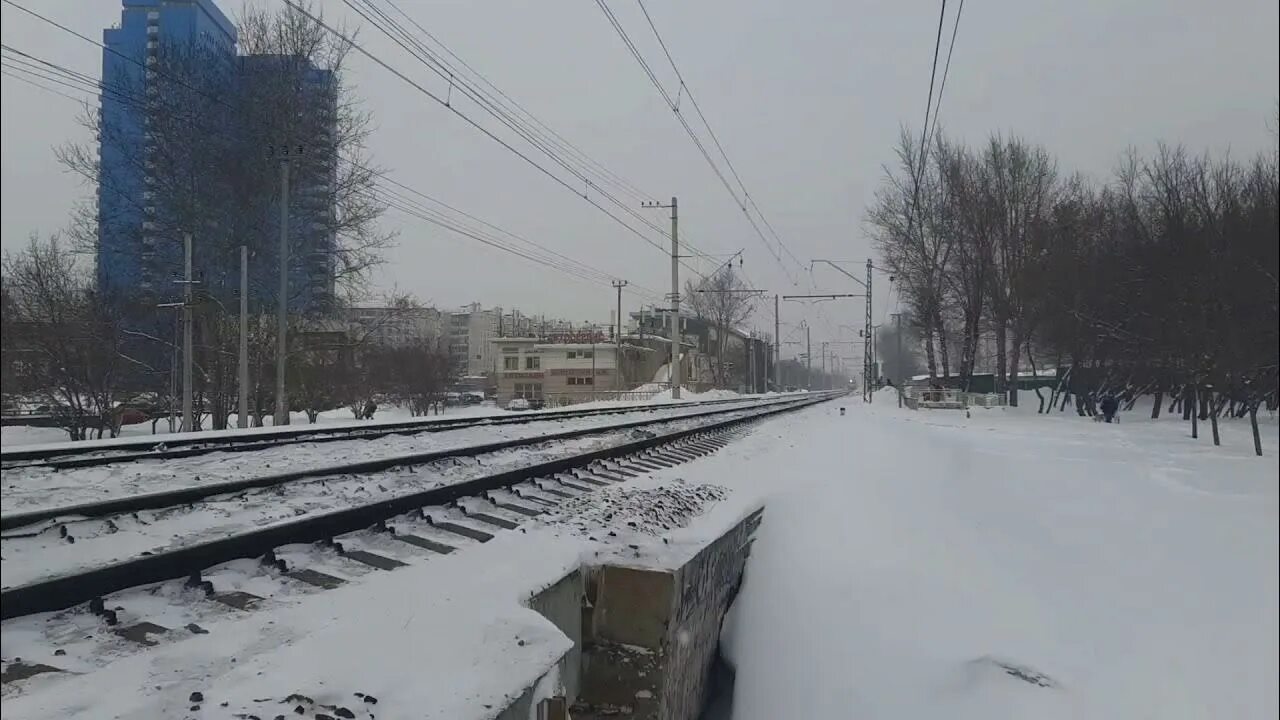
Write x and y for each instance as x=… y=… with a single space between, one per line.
x=45 y=551
x=15 y=435
x=30 y=488
x=445 y=638
x=12 y=436
x=929 y=565
x=910 y=565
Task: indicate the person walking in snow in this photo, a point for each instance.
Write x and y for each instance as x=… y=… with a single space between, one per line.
x=1110 y=404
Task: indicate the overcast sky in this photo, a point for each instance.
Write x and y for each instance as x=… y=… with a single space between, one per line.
x=806 y=97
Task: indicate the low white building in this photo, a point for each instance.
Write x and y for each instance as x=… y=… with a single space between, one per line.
x=559 y=373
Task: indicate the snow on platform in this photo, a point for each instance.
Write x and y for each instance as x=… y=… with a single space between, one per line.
x=446 y=639
x=1005 y=565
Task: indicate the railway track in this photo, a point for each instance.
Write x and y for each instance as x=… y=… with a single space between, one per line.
x=422 y=521
x=96 y=454
x=180 y=484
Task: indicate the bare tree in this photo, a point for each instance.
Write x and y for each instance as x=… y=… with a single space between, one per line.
x=1162 y=281
x=420 y=374
x=723 y=300
x=73 y=349
x=1020 y=185
x=908 y=229
x=966 y=214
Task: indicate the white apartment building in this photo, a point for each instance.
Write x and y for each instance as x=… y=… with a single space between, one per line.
x=469 y=335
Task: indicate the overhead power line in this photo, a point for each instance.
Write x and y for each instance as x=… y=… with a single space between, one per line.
x=359 y=48
x=925 y=133
x=714 y=138
x=745 y=202
x=179 y=81
x=38 y=69
x=555 y=137
x=8 y=73
x=946 y=69
x=488 y=103
x=539 y=255
x=536 y=252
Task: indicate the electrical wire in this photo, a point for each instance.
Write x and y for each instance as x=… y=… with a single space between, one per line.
x=537 y=252
x=743 y=202
x=415 y=48
x=367 y=54
x=918 y=175
x=946 y=69
x=711 y=131
x=8 y=73
x=406 y=206
x=537 y=134
x=54 y=72
x=556 y=138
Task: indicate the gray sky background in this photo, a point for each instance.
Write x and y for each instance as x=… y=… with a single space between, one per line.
x=807 y=98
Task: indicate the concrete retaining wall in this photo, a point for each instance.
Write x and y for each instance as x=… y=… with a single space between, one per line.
x=651 y=632
x=561 y=603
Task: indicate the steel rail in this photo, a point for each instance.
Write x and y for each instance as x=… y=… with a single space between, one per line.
x=159 y=448
x=83 y=586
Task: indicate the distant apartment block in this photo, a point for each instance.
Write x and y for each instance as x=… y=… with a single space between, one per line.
x=470 y=331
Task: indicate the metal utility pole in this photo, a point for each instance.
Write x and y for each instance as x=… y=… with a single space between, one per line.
x=243 y=421
x=617 y=337
x=875 y=351
x=187 y=361
x=808 y=359
x=824 y=365
x=867 y=340
x=777 y=348
x=897 y=360
x=676 y=372
x=173 y=376
x=282 y=301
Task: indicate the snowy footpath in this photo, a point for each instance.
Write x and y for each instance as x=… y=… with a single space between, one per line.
x=1008 y=565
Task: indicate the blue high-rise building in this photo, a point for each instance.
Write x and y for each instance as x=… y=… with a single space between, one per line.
x=177 y=101
x=134 y=255
x=312 y=239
